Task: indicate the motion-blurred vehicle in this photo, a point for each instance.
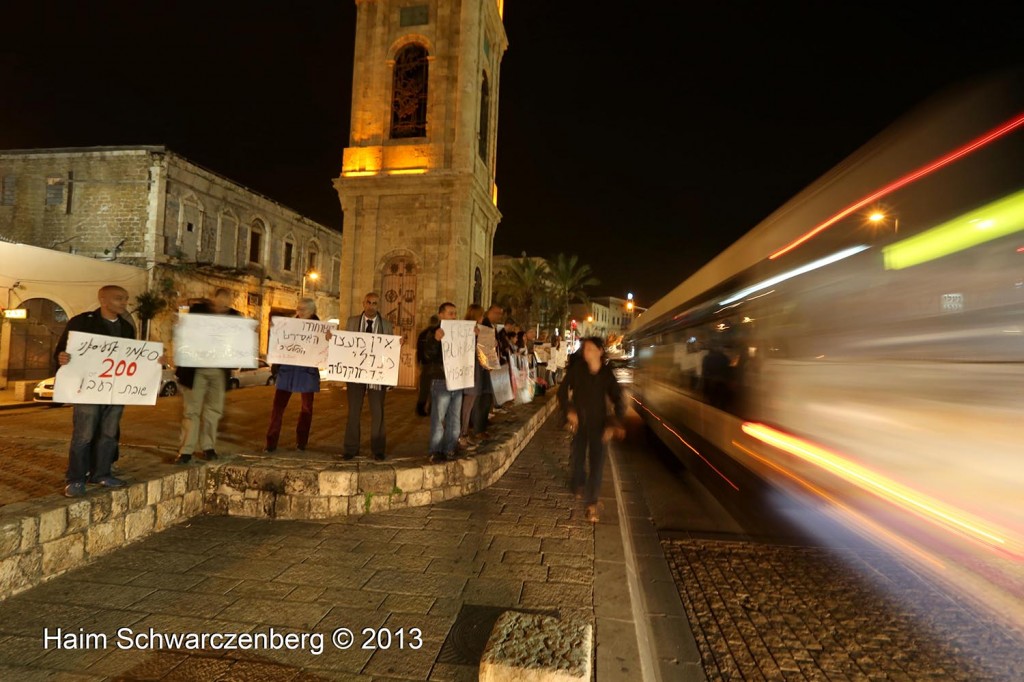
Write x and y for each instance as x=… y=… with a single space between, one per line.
x=43 y=392
x=622 y=368
x=862 y=348
x=258 y=376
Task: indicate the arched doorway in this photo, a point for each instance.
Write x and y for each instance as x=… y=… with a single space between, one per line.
x=398 y=296
x=34 y=339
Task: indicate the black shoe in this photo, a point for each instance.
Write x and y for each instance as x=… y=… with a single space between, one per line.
x=183 y=459
x=436 y=458
x=209 y=454
x=379 y=456
x=451 y=456
x=269 y=449
x=421 y=411
x=347 y=456
x=300 y=448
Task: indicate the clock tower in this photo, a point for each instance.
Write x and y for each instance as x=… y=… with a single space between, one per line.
x=417 y=180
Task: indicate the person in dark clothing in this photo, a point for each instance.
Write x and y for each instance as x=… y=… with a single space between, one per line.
x=423 y=399
x=716 y=375
x=204 y=390
x=446 y=412
x=583 y=396
x=96 y=428
x=485 y=398
x=294 y=379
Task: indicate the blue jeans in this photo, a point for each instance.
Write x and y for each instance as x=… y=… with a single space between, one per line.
x=93 y=441
x=445 y=418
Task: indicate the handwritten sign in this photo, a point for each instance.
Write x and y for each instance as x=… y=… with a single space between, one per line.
x=294 y=341
x=457 y=349
x=361 y=358
x=542 y=352
x=488 y=345
x=107 y=370
x=227 y=341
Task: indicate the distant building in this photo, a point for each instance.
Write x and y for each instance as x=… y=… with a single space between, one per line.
x=622 y=312
x=188 y=228
x=592 y=318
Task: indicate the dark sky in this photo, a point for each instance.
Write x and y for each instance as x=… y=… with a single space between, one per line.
x=645 y=137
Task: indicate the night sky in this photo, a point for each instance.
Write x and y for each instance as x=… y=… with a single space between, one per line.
x=645 y=137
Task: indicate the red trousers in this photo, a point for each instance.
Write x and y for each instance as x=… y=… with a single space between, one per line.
x=277 y=412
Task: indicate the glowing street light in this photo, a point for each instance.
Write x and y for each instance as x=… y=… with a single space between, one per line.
x=312 y=275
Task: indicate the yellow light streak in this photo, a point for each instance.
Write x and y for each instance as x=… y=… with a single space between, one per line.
x=922 y=505
x=856 y=516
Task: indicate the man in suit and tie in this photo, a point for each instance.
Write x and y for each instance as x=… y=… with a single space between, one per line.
x=372 y=322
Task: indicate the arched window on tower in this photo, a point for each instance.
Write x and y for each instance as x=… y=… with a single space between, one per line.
x=409 y=93
x=478 y=287
x=485 y=119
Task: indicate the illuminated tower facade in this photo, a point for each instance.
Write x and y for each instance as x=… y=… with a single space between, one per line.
x=417 y=181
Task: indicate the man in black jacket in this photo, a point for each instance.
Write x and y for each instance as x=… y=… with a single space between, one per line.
x=95 y=427
x=204 y=390
x=446 y=406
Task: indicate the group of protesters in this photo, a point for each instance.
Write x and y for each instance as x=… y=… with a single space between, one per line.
x=460 y=419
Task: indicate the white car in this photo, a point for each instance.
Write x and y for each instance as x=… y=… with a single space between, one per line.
x=260 y=376
x=43 y=392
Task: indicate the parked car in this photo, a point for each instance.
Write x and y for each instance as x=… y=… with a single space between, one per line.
x=43 y=392
x=260 y=376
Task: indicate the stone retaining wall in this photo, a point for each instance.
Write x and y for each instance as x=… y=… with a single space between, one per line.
x=320 y=490
x=43 y=538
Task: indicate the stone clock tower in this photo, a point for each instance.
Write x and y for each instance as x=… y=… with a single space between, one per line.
x=417 y=179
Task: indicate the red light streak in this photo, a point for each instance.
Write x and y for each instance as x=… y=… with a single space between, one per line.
x=906 y=180
x=683 y=441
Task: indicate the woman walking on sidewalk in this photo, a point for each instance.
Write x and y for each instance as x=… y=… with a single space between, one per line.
x=294 y=379
x=583 y=396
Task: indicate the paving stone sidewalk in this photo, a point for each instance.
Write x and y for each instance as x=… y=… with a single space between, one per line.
x=522 y=543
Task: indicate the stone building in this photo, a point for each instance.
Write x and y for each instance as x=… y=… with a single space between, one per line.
x=191 y=229
x=417 y=182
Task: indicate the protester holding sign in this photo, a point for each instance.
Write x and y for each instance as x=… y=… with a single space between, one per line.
x=475 y=312
x=295 y=378
x=446 y=410
x=370 y=322
x=204 y=390
x=96 y=427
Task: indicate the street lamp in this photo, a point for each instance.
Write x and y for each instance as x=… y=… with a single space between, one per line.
x=878 y=218
x=312 y=275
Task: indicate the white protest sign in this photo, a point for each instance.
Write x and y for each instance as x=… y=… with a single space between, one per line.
x=542 y=352
x=294 y=341
x=361 y=358
x=226 y=341
x=488 y=345
x=457 y=349
x=107 y=370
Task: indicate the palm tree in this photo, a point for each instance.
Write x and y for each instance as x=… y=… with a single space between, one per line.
x=569 y=280
x=148 y=304
x=522 y=284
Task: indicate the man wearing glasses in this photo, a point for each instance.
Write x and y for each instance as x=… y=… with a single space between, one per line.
x=372 y=322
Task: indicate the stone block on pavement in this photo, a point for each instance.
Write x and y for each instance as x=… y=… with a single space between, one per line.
x=530 y=647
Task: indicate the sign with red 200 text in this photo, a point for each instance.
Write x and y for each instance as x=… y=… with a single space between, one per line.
x=108 y=370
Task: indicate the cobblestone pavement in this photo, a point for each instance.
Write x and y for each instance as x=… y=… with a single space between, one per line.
x=522 y=543
x=764 y=612
x=34 y=445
